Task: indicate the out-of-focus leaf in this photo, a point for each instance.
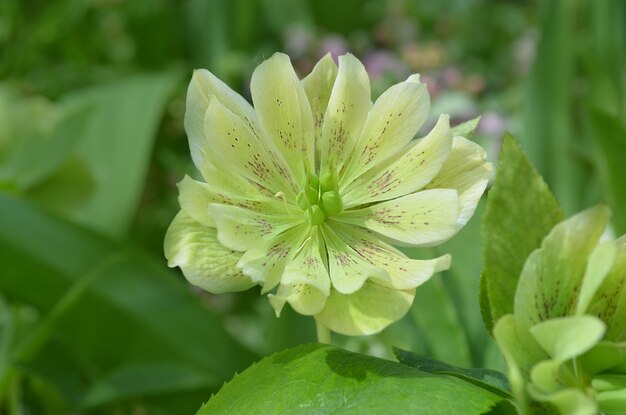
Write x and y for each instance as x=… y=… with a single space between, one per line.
x=33 y=158
x=145 y=380
x=116 y=146
x=610 y=135
x=434 y=313
x=110 y=306
x=520 y=213
x=548 y=137
x=488 y=379
x=326 y=380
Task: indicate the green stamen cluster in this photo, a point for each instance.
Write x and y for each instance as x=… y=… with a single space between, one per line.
x=320 y=198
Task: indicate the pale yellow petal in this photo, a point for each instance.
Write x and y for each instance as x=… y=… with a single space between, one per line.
x=347 y=111
x=395 y=118
x=240 y=151
x=412 y=171
x=308 y=266
x=401 y=272
x=241 y=229
x=467 y=171
x=284 y=113
x=203 y=260
x=420 y=219
x=265 y=262
x=367 y=311
x=348 y=270
x=303 y=298
x=204 y=85
x=318 y=86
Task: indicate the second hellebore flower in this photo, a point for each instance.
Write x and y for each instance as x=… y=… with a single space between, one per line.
x=305 y=193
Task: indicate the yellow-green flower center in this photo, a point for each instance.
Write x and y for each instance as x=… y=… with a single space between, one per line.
x=320 y=198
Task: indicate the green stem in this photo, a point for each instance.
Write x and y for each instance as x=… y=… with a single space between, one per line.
x=323 y=334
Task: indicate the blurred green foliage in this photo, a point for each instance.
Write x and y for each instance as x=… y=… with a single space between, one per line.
x=92 y=144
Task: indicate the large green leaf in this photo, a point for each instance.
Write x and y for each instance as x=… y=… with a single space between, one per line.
x=116 y=145
x=520 y=213
x=326 y=380
x=116 y=314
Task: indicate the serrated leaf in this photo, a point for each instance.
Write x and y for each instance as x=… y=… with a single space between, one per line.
x=326 y=380
x=520 y=212
x=491 y=380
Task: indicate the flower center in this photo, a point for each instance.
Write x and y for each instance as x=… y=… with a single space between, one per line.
x=320 y=198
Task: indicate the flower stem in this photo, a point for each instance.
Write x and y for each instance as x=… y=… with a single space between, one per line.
x=323 y=334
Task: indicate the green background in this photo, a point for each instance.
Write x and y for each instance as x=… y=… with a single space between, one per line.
x=92 y=144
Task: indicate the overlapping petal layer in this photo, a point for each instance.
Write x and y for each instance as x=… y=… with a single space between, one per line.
x=304 y=192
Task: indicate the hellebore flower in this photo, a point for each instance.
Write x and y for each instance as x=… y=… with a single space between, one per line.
x=565 y=343
x=305 y=193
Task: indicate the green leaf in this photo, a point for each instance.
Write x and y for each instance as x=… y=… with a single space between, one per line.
x=116 y=146
x=326 y=380
x=521 y=352
x=608 y=381
x=466 y=129
x=603 y=356
x=488 y=379
x=610 y=134
x=33 y=158
x=145 y=380
x=552 y=276
x=520 y=212
x=548 y=136
x=612 y=402
x=110 y=306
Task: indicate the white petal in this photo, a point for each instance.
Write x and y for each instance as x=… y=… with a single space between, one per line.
x=284 y=113
x=420 y=219
x=412 y=171
x=204 y=261
x=393 y=121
